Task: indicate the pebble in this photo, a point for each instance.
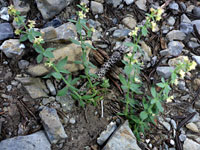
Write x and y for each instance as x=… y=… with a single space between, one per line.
x=4 y=14
x=106 y=134
x=186 y=28
x=52 y=125
x=166 y=125
x=6 y=31
x=48 y=100
x=172 y=142
x=193 y=45
x=22 y=6
x=171 y=21
x=97 y=8
x=174 y=7
x=51 y=87
x=196 y=11
x=181 y=85
x=122 y=139
x=128 y=2
x=175 y=48
x=182 y=137
x=182 y=5
x=164 y=71
x=193 y=127
x=66 y=102
x=197 y=23
x=9 y=88
x=141 y=4
x=12 y=48
x=185 y=19
x=23 y=64
x=176 y=35
x=35 y=141
x=173 y=123
x=197 y=59
x=129 y=22
x=72 y=120
x=53 y=23
x=121 y=33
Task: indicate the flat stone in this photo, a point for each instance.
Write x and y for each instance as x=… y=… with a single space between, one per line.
x=197 y=59
x=128 y=2
x=4 y=14
x=176 y=35
x=197 y=23
x=174 y=6
x=34 y=86
x=107 y=133
x=35 y=141
x=12 y=48
x=23 y=64
x=191 y=145
x=186 y=28
x=141 y=4
x=166 y=125
x=121 y=33
x=51 y=87
x=49 y=33
x=122 y=139
x=66 y=102
x=164 y=71
x=175 y=48
x=196 y=11
x=97 y=8
x=50 y=8
x=114 y=3
x=193 y=127
x=52 y=125
x=185 y=19
x=193 y=45
x=22 y=6
x=48 y=100
x=6 y=31
x=129 y=22
x=171 y=21
x=72 y=51
x=56 y=22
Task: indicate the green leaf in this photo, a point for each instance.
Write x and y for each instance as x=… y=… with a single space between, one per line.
x=64 y=71
x=160 y=85
x=57 y=75
x=36 y=33
x=75 y=42
x=62 y=63
x=153 y=92
x=128 y=69
x=31 y=37
x=78 y=62
x=23 y=38
x=38 y=49
x=87 y=97
x=144 y=31
x=71 y=20
x=50 y=49
x=129 y=44
x=48 y=75
x=122 y=79
x=158 y=104
x=62 y=92
x=89 y=45
x=48 y=54
x=143 y=115
x=74 y=81
x=78 y=27
x=39 y=58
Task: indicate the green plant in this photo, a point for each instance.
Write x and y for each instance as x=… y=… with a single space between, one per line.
x=140 y=112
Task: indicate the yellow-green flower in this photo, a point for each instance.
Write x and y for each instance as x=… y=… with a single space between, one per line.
x=86 y=10
x=31 y=24
x=192 y=66
x=169 y=99
x=48 y=64
x=16 y=19
x=176 y=82
x=12 y=10
x=158 y=18
x=153 y=26
x=92 y=29
x=17 y=32
x=38 y=40
x=152 y=10
x=160 y=11
x=137 y=80
x=81 y=15
x=134 y=32
x=182 y=74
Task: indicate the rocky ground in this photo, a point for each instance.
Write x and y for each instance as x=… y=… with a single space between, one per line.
x=33 y=117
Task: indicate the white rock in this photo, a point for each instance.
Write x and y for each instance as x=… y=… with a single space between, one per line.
x=97 y=8
x=128 y=2
x=191 y=145
x=193 y=127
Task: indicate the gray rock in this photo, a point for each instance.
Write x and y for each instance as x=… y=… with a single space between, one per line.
x=72 y=121
x=51 y=87
x=193 y=127
x=48 y=100
x=4 y=14
x=197 y=59
x=97 y=8
x=72 y=51
x=49 y=34
x=192 y=44
x=197 y=23
x=121 y=33
x=22 y=6
x=174 y=6
x=181 y=85
x=122 y=139
x=173 y=123
x=171 y=21
x=175 y=48
x=35 y=141
x=186 y=28
x=190 y=145
x=12 y=48
x=130 y=22
x=23 y=64
x=128 y=2
x=166 y=125
x=182 y=137
x=34 y=86
x=49 y=8
x=66 y=102
x=114 y=3
x=164 y=71
x=141 y=4
x=52 y=125
x=6 y=31
x=107 y=133
x=183 y=6
x=196 y=11
x=185 y=19
x=176 y=35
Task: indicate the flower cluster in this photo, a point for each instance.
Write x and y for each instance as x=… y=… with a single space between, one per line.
x=31 y=24
x=169 y=99
x=38 y=40
x=134 y=32
x=84 y=10
x=12 y=11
